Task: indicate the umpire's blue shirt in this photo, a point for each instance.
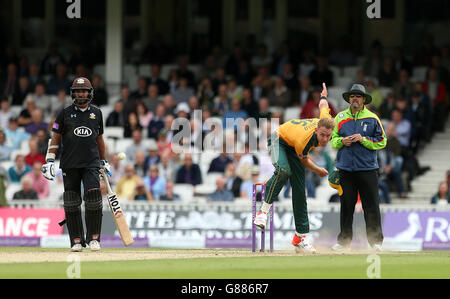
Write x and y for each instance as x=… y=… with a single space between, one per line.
x=358 y=156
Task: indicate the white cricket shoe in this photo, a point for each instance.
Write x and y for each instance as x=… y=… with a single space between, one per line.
x=261 y=219
x=94 y=245
x=338 y=247
x=76 y=248
x=302 y=245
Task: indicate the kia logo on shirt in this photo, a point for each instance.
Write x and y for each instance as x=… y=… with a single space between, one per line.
x=82 y=132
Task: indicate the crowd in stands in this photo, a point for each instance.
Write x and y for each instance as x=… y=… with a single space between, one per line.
x=247 y=82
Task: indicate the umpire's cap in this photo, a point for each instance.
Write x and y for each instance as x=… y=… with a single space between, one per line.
x=357 y=88
x=334 y=181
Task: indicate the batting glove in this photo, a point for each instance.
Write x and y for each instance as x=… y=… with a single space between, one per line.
x=48 y=170
x=105 y=166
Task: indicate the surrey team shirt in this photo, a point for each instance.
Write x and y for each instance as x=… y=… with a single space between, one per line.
x=79 y=130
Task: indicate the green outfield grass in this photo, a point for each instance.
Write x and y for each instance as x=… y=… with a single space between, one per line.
x=431 y=264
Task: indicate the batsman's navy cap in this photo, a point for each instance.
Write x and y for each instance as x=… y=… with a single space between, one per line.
x=357 y=88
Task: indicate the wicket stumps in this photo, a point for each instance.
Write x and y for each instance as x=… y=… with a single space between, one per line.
x=263 y=231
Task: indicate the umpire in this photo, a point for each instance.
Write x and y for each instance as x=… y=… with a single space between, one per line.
x=79 y=128
x=357 y=136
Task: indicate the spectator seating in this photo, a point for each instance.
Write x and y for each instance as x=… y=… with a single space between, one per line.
x=211 y=178
x=122 y=144
x=350 y=71
x=292 y=113
x=12 y=188
x=419 y=73
x=336 y=71
x=343 y=82
x=14 y=154
x=335 y=96
x=113 y=132
x=99 y=69
x=186 y=191
x=360 y=60
x=205 y=160
x=165 y=70
x=129 y=70
x=106 y=110
x=15 y=110
x=110 y=145
x=204 y=189
x=144 y=70
x=132 y=70
x=385 y=91
x=25 y=146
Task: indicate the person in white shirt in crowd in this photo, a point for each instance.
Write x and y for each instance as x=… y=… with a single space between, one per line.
x=167 y=167
x=117 y=169
x=182 y=110
x=41 y=99
x=5 y=112
x=15 y=135
x=248 y=156
x=5 y=150
x=266 y=167
x=402 y=129
x=442 y=197
x=59 y=102
x=137 y=145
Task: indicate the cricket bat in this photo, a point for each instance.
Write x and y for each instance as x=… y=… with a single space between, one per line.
x=116 y=210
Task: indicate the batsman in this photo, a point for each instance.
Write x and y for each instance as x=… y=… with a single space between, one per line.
x=79 y=128
x=289 y=148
